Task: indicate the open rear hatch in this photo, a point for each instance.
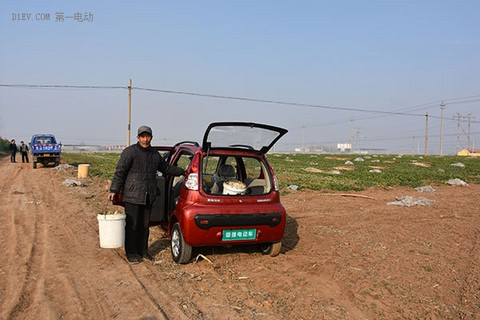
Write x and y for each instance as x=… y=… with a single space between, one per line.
x=241 y=135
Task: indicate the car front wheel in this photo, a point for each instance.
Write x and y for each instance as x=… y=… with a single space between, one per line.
x=181 y=251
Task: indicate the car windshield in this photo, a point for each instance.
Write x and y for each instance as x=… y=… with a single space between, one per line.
x=242 y=135
x=235 y=175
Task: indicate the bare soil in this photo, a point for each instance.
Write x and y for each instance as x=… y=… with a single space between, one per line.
x=343 y=257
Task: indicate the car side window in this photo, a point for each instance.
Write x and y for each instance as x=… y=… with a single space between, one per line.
x=164 y=154
x=257 y=179
x=253 y=168
x=210 y=165
x=184 y=160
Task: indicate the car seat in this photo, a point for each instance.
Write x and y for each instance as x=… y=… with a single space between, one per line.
x=225 y=172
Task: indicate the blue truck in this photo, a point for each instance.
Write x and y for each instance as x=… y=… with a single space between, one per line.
x=45 y=150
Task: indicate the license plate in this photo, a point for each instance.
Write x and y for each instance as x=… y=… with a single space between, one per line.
x=239 y=234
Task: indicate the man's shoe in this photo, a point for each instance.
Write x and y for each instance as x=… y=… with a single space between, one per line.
x=134 y=259
x=148 y=256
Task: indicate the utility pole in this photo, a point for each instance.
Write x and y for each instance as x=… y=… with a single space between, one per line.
x=426 y=134
x=351 y=135
x=413 y=145
x=358 y=140
x=129 y=111
x=469 y=117
x=303 y=138
x=442 y=107
x=458 y=132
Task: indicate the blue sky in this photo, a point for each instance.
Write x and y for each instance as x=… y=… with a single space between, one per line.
x=350 y=56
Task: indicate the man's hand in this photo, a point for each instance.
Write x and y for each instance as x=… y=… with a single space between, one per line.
x=111 y=195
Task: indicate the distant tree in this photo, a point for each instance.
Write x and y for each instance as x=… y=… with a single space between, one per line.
x=4 y=144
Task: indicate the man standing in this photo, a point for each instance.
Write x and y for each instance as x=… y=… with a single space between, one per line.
x=24 y=151
x=13 y=151
x=136 y=176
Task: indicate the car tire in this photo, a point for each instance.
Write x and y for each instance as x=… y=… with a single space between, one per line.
x=271 y=249
x=181 y=251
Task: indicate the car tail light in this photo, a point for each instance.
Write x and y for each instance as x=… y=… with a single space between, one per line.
x=192 y=181
x=275 y=183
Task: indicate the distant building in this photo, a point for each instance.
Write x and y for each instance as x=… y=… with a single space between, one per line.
x=469 y=152
x=344 y=147
x=340 y=148
x=91 y=148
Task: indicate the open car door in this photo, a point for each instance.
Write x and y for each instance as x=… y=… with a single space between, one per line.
x=158 y=214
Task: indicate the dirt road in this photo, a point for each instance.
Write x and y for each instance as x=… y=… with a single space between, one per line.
x=344 y=257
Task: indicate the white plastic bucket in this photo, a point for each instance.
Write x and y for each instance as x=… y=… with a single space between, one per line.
x=234 y=187
x=111 y=228
x=83 y=171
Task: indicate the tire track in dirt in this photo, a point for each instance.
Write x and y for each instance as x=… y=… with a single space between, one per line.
x=61 y=244
x=42 y=279
x=20 y=248
x=52 y=265
x=35 y=251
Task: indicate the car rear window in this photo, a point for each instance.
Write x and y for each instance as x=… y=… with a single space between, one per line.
x=45 y=140
x=235 y=175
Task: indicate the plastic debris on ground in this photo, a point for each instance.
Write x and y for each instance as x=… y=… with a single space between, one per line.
x=425 y=189
x=408 y=201
x=72 y=183
x=358 y=159
x=293 y=187
x=64 y=167
x=315 y=170
x=457 y=182
x=458 y=164
x=375 y=171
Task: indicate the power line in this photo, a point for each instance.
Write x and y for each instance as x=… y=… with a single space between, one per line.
x=48 y=86
x=276 y=102
x=205 y=95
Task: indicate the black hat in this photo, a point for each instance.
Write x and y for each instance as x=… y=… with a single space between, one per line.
x=143 y=129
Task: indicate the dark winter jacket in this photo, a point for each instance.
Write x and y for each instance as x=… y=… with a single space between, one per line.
x=13 y=148
x=136 y=174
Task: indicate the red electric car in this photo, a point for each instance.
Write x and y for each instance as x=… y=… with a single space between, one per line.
x=229 y=195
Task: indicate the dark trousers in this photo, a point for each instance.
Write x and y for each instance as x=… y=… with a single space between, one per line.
x=12 y=156
x=24 y=156
x=137 y=228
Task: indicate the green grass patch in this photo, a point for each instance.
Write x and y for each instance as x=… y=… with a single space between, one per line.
x=408 y=170
x=101 y=164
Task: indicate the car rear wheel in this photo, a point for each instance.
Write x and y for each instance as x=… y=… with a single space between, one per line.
x=272 y=249
x=181 y=251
